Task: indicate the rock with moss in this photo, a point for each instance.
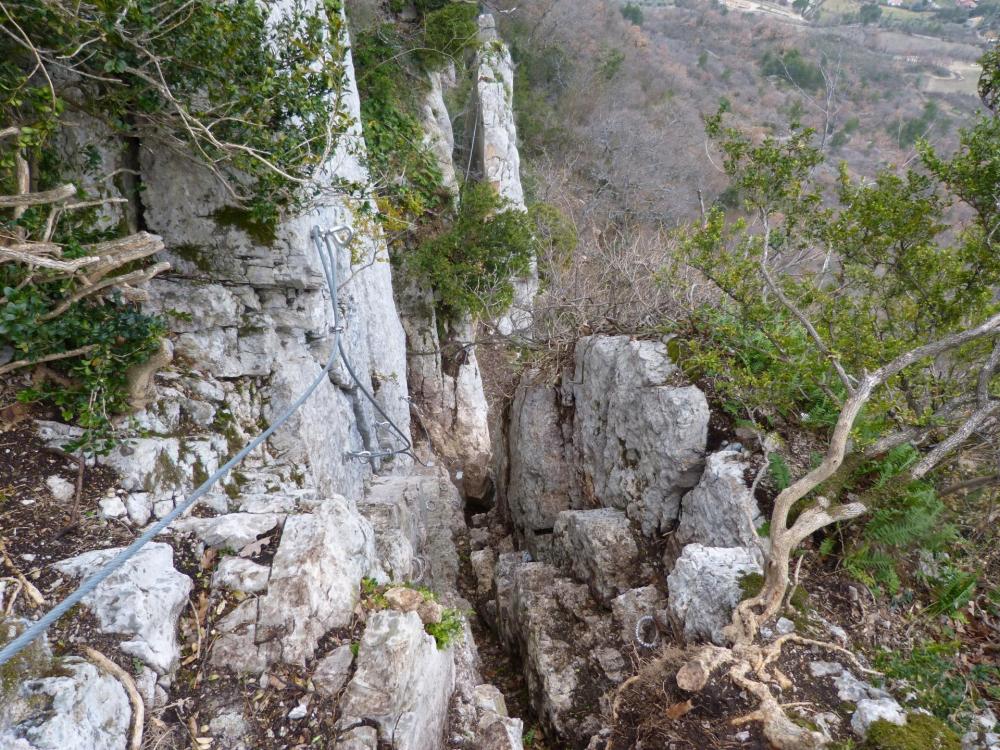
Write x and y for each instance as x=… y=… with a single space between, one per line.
x=873 y=710
x=921 y=732
x=403 y=683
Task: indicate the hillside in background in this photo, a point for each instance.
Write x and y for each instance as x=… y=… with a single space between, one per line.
x=610 y=111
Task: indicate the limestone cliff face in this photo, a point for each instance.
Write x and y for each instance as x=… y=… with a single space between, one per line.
x=445 y=382
x=494 y=142
x=301 y=522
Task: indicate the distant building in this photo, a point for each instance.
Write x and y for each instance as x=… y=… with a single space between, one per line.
x=967 y=4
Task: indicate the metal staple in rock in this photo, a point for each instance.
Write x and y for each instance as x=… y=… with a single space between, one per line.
x=639 y=627
x=327 y=243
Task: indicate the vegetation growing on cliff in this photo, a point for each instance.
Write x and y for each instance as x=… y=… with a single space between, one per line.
x=471 y=264
x=880 y=309
x=252 y=98
x=404 y=171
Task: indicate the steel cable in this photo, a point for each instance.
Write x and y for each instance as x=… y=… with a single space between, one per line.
x=326 y=242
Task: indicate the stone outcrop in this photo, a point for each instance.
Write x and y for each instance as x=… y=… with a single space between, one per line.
x=312 y=587
x=402 y=683
x=447 y=389
x=640 y=438
x=621 y=432
x=495 y=730
x=439 y=138
x=80 y=708
x=563 y=639
x=598 y=548
x=720 y=511
x=541 y=476
x=705 y=586
x=295 y=529
x=141 y=600
x=494 y=144
x=446 y=386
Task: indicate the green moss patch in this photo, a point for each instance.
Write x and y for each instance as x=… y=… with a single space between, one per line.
x=921 y=732
x=751 y=584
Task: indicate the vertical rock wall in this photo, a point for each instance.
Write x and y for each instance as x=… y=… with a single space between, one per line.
x=494 y=142
x=288 y=537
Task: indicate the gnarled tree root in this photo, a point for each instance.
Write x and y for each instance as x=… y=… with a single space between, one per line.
x=751 y=669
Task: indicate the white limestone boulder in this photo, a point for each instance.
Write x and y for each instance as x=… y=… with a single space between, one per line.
x=720 y=511
x=141 y=599
x=639 y=436
x=704 y=587
x=403 y=683
x=81 y=708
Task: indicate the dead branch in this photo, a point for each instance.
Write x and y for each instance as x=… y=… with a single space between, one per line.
x=138 y=708
x=37 y=600
x=136 y=277
x=970 y=484
x=11 y=366
x=24 y=200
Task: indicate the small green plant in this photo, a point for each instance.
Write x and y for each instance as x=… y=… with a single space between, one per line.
x=373 y=593
x=449 y=630
x=94 y=388
x=904 y=517
x=751 y=584
x=943 y=683
x=528 y=739
x=355 y=647
x=778 y=469
x=952 y=591
x=406 y=174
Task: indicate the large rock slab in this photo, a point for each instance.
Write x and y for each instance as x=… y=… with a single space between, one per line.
x=232 y=530
x=540 y=472
x=597 y=546
x=142 y=599
x=640 y=438
x=562 y=639
x=720 y=511
x=80 y=708
x=312 y=588
x=704 y=587
x=402 y=683
x=446 y=385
